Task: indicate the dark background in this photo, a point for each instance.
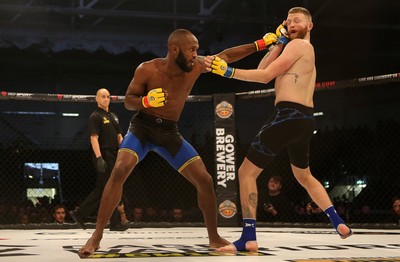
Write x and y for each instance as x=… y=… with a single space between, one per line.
x=75 y=47
x=71 y=46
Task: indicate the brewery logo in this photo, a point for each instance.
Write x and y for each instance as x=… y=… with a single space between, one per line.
x=227 y=209
x=224 y=109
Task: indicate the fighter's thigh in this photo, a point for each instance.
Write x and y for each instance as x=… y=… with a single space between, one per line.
x=129 y=155
x=196 y=172
x=124 y=165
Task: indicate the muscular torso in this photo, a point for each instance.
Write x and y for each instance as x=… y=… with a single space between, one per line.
x=178 y=84
x=298 y=82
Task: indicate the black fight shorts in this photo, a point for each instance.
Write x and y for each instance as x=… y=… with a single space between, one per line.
x=291 y=125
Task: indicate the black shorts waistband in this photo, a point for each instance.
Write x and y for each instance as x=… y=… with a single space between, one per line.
x=302 y=108
x=154 y=120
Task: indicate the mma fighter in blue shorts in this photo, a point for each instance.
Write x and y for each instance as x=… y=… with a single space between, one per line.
x=158 y=91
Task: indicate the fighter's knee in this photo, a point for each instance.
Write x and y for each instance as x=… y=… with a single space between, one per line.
x=120 y=173
x=244 y=174
x=303 y=176
x=203 y=181
x=206 y=179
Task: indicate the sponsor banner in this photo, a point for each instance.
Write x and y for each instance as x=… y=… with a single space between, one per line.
x=55 y=97
x=225 y=168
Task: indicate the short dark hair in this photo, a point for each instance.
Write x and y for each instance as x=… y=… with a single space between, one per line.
x=276 y=178
x=59 y=206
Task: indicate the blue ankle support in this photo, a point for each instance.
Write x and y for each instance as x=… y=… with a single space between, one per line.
x=248 y=234
x=333 y=216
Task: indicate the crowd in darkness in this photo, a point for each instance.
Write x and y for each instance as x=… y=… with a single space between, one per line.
x=336 y=155
x=27 y=213
x=46 y=212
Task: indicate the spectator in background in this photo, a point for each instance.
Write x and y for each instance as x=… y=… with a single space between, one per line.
x=46 y=215
x=59 y=213
x=177 y=215
x=163 y=215
x=137 y=214
x=395 y=212
x=396 y=209
x=24 y=218
x=362 y=214
x=315 y=214
x=150 y=214
x=276 y=206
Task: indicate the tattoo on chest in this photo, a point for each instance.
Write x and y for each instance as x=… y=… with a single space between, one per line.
x=295 y=75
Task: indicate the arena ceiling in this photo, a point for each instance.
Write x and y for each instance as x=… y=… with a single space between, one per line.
x=352 y=38
x=75 y=46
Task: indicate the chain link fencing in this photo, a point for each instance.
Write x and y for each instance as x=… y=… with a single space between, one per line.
x=46 y=157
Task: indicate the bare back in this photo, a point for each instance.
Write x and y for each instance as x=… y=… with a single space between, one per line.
x=297 y=83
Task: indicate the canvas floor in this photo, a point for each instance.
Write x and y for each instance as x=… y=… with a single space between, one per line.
x=190 y=244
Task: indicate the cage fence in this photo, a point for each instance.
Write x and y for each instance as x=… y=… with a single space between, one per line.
x=45 y=157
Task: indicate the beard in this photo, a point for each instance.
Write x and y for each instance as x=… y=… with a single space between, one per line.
x=301 y=34
x=182 y=63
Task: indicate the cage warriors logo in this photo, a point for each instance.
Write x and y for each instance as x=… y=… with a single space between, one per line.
x=224 y=109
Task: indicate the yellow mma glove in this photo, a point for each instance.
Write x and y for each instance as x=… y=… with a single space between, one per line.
x=155 y=98
x=267 y=40
x=220 y=67
x=282 y=34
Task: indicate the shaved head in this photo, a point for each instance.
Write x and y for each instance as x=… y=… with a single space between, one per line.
x=101 y=91
x=176 y=37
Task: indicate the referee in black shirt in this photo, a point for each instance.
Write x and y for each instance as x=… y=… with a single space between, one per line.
x=105 y=137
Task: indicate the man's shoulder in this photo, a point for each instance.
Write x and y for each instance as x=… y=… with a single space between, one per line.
x=112 y=113
x=95 y=114
x=147 y=68
x=151 y=63
x=301 y=43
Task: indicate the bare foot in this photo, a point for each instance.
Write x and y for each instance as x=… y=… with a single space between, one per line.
x=91 y=246
x=218 y=242
x=344 y=231
x=251 y=246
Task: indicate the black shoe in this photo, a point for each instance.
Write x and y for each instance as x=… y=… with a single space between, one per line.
x=78 y=219
x=119 y=227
